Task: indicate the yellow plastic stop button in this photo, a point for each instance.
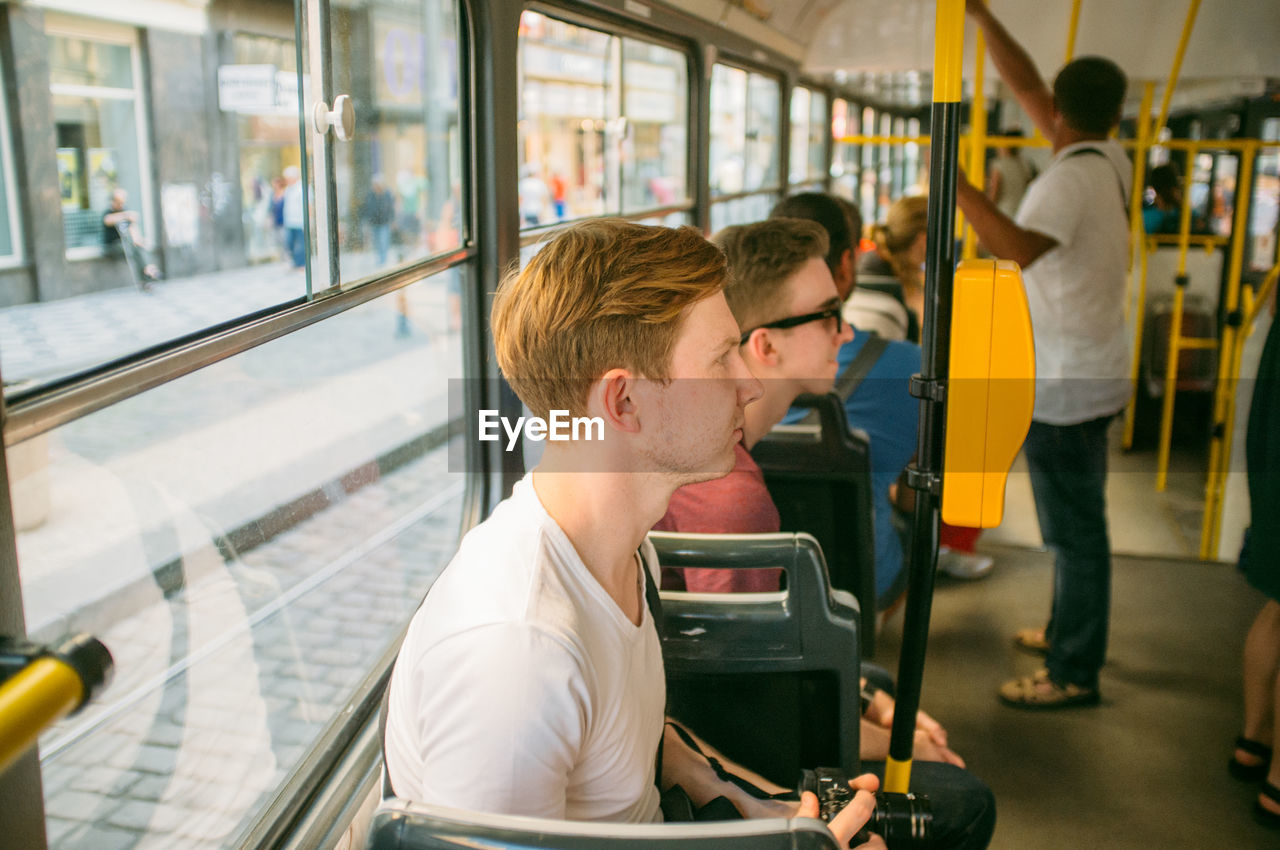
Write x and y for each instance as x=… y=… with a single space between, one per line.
x=990 y=390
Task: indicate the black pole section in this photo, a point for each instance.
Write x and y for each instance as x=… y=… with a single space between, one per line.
x=930 y=387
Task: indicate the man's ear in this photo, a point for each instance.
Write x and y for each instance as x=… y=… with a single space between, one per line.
x=760 y=348
x=614 y=394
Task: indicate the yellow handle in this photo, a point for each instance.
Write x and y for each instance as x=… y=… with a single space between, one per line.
x=43 y=692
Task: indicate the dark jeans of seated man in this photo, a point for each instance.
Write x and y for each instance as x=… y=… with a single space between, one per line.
x=1068 y=466
x=964 y=809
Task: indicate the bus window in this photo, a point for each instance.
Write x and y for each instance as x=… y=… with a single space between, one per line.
x=807 y=169
x=844 y=157
x=745 y=164
x=399 y=179
x=154 y=184
x=248 y=540
x=604 y=123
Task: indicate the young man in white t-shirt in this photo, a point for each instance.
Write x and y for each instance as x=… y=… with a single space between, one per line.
x=1071 y=238
x=531 y=679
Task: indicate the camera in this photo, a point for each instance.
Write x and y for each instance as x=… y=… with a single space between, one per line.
x=902 y=820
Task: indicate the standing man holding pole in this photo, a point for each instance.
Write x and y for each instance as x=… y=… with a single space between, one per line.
x=1070 y=236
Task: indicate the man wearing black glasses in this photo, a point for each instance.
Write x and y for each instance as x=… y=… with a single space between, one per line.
x=782 y=294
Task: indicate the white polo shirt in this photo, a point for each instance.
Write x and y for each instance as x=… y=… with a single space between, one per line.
x=522 y=688
x=1076 y=290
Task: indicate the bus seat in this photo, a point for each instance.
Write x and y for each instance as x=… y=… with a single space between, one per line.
x=402 y=825
x=769 y=679
x=820 y=479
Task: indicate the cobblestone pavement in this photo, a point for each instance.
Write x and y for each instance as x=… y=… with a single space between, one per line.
x=250 y=663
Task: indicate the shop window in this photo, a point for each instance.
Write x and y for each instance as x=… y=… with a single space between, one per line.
x=604 y=125
x=98 y=121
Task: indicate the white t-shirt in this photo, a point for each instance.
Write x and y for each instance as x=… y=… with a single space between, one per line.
x=1076 y=289
x=522 y=687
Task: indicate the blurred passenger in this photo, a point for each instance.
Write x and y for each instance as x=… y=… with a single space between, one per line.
x=534 y=196
x=1011 y=174
x=380 y=211
x=1071 y=238
x=897 y=267
x=531 y=681
x=1162 y=207
x=873 y=381
x=293 y=217
x=122 y=230
x=778 y=268
x=1254 y=759
x=781 y=291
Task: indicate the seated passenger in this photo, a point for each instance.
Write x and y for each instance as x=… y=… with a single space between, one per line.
x=531 y=680
x=781 y=290
x=879 y=404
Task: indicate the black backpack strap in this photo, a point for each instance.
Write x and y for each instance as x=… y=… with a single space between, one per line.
x=1124 y=200
x=654 y=601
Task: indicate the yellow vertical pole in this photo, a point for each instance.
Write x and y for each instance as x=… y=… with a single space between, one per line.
x=1071 y=30
x=1137 y=238
x=977 y=165
x=1172 y=82
x=1228 y=366
x=1175 y=337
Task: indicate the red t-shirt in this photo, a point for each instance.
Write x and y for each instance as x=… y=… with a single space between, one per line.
x=739 y=503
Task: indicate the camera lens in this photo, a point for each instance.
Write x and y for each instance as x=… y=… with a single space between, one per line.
x=902 y=820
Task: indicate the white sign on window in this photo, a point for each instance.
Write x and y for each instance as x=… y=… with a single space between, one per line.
x=247 y=88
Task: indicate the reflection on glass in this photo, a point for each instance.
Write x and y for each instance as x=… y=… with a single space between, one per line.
x=845 y=158
x=399 y=181
x=728 y=130
x=167 y=204
x=604 y=124
x=247 y=541
x=1264 y=211
x=569 y=124
x=818 y=132
x=742 y=210
x=656 y=139
x=763 y=160
x=798 y=168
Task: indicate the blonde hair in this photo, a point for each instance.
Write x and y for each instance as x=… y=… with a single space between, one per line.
x=762 y=256
x=907 y=219
x=602 y=294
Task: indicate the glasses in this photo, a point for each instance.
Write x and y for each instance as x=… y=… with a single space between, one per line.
x=796 y=321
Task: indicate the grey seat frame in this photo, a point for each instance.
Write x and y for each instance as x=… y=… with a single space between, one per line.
x=808 y=628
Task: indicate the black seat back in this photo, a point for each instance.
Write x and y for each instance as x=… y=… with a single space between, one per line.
x=770 y=679
x=820 y=478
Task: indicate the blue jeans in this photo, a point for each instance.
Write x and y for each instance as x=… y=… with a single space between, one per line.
x=1068 y=466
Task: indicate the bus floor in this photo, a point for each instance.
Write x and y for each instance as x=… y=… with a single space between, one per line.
x=1147 y=767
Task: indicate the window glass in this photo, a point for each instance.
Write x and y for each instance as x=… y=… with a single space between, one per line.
x=728 y=130
x=9 y=233
x=817 y=142
x=177 y=196
x=799 y=165
x=742 y=210
x=844 y=156
x=763 y=159
x=870 y=155
x=744 y=131
x=1264 y=211
x=247 y=540
x=96 y=113
x=399 y=180
x=603 y=125
x=655 y=138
